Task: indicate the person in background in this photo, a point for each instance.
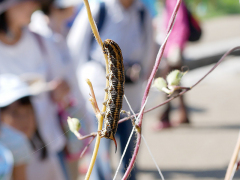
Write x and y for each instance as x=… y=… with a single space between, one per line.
x=19 y=156
x=37 y=59
x=17 y=112
x=129 y=24
x=51 y=22
x=174 y=58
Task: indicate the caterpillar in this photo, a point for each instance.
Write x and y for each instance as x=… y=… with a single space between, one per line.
x=115 y=89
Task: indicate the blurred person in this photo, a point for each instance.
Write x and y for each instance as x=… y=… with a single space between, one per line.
x=129 y=24
x=6 y=162
x=16 y=152
x=23 y=52
x=51 y=22
x=173 y=54
x=17 y=112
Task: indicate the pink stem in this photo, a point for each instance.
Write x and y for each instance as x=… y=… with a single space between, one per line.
x=159 y=58
x=155 y=68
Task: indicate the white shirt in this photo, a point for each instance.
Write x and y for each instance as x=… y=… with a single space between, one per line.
x=123 y=26
x=40 y=25
x=26 y=57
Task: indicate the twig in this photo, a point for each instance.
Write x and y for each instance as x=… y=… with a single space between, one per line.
x=233 y=161
x=93 y=99
x=85 y=149
x=93 y=24
x=187 y=89
x=100 y=122
x=155 y=68
x=100 y=118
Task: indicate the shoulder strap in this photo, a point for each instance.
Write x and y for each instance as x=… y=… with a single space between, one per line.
x=142 y=18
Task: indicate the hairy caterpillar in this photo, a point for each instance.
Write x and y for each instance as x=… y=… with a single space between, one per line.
x=115 y=89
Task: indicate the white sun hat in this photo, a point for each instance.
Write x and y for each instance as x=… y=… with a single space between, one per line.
x=66 y=3
x=12 y=88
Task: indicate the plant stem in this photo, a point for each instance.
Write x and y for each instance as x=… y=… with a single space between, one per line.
x=100 y=118
x=93 y=24
x=180 y=94
x=155 y=68
x=186 y=90
x=233 y=161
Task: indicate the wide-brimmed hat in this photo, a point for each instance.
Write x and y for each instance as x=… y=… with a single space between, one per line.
x=6 y=4
x=66 y=3
x=12 y=88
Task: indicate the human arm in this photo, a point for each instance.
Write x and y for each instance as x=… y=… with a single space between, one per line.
x=19 y=172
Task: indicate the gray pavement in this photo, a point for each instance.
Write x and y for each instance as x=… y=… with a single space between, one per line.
x=219 y=35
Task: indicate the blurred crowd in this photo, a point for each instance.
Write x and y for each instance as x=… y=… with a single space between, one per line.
x=47 y=50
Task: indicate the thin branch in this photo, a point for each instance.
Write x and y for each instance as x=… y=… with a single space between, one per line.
x=80 y=137
x=93 y=98
x=214 y=67
x=100 y=122
x=85 y=149
x=159 y=56
x=155 y=68
x=233 y=161
x=93 y=24
x=100 y=118
x=187 y=89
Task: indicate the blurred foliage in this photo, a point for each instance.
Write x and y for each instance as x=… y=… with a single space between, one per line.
x=212 y=8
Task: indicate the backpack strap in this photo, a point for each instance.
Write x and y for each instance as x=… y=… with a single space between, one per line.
x=142 y=18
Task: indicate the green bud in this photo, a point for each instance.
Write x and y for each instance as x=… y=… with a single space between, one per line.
x=174 y=77
x=74 y=124
x=160 y=83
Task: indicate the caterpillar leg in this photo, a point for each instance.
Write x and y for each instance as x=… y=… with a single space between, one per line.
x=103 y=113
x=106 y=89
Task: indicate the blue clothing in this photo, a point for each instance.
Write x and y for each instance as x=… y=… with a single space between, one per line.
x=123 y=133
x=6 y=163
x=61 y=158
x=150 y=4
